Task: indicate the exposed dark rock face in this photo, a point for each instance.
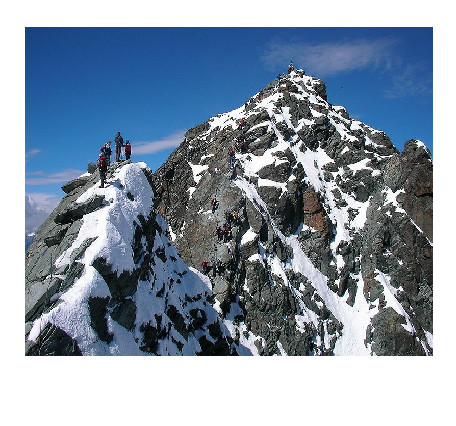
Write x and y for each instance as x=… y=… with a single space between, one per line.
x=412 y=172
x=53 y=341
x=329 y=252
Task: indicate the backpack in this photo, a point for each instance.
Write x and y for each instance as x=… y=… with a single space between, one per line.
x=102 y=163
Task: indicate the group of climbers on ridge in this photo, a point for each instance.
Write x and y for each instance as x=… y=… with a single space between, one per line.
x=290 y=67
x=104 y=158
x=223 y=233
x=213 y=264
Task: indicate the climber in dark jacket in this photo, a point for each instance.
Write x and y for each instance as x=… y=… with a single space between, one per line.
x=106 y=150
x=232 y=156
x=214 y=268
x=119 y=144
x=206 y=264
x=214 y=204
x=219 y=233
x=234 y=174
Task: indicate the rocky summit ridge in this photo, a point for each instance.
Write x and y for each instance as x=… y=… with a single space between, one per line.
x=329 y=253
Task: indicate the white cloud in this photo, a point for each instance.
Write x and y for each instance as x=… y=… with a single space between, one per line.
x=330 y=58
x=32 y=152
x=171 y=141
x=38 y=206
x=43 y=178
x=325 y=59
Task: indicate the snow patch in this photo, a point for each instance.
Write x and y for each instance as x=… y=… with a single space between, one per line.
x=248 y=236
x=197 y=171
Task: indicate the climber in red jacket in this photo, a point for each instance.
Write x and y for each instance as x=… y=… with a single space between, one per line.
x=290 y=67
x=102 y=169
x=127 y=150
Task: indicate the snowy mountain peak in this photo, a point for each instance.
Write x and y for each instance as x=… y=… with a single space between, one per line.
x=327 y=209
x=319 y=243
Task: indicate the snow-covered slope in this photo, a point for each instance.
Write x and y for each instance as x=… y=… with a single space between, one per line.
x=131 y=291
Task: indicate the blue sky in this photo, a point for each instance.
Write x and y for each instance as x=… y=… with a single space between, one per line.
x=82 y=85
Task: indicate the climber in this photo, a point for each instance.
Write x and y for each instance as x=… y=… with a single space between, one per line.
x=119 y=144
x=234 y=174
x=214 y=204
x=235 y=218
x=232 y=155
x=227 y=217
x=127 y=150
x=240 y=140
x=226 y=232
x=219 y=233
x=214 y=268
x=290 y=67
x=206 y=264
x=106 y=151
x=241 y=123
x=102 y=169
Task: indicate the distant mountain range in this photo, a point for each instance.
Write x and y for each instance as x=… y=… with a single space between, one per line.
x=34 y=215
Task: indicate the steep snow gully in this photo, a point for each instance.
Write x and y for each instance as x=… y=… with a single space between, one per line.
x=331 y=253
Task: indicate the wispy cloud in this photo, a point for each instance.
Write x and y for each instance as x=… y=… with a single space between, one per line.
x=44 y=178
x=409 y=81
x=31 y=153
x=329 y=59
x=171 y=141
x=325 y=59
